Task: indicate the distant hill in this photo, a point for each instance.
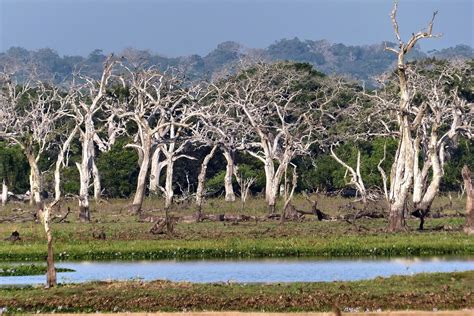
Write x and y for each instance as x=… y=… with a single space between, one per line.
x=358 y=62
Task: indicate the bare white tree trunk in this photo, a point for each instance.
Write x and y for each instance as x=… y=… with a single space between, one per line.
x=4 y=192
x=289 y=195
x=60 y=163
x=202 y=181
x=229 y=172
x=424 y=194
x=155 y=172
x=45 y=216
x=356 y=176
x=35 y=179
x=142 y=175
x=401 y=177
x=85 y=169
x=273 y=179
x=401 y=180
x=96 y=179
x=245 y=185
x=168 y=190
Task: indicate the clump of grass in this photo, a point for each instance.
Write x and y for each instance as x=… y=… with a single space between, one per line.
x=27 y=269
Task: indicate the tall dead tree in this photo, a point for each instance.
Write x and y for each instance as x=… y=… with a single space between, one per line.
x=401 y=176
x=89 y=98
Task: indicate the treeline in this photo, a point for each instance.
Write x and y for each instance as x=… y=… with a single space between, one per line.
x=320 y=172
x=358 y=62
x=273 y=129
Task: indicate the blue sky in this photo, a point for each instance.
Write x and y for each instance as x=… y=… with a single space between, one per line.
x=183 y=27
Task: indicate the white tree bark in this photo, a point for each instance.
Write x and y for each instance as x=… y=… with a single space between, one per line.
x=202 y=181
x=229 y=172
x=356 y=176
x=60 y=163
x=401 y=177
x=274 y=127
x=35 y=177
x=168 y=189
x=96 y=179
x=85 y=168
x=4 y=192
x=45 y=217
x=85 y=108
x=155 y=172
x=145 y=150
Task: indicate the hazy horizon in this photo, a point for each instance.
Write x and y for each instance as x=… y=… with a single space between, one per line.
x=178 y=28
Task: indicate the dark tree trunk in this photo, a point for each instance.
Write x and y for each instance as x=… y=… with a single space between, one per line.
x=84 y=214
x=51 y=271
x=271 y=209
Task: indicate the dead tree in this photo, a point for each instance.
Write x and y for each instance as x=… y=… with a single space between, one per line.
x=227 y=129
x=466 y=175
x=245 y=184
x=173 y=144
x=407 y=121
x=153 y=96
x=444 y=116
x=277 y=127
x=89 y=96
x=202 y=181
x=356 y=176
x=29 y=115
x=32 y=125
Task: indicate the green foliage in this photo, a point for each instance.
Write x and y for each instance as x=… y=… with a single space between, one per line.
x=216 y=183
x=462 y=155
x=14 y=168
x=119 y=170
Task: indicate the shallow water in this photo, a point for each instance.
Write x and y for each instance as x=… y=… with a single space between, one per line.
x=249 y=271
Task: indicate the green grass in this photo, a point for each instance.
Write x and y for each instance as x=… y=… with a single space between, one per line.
x=26 y=269
x=443 y=291
x=336 y=246
x=126 y=238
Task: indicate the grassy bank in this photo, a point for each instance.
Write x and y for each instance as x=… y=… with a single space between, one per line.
x=335 y=246
x=27 y=269
x=127 y=238
x=422 y=292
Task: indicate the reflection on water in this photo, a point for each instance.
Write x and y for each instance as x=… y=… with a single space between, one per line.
x=248 y=271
